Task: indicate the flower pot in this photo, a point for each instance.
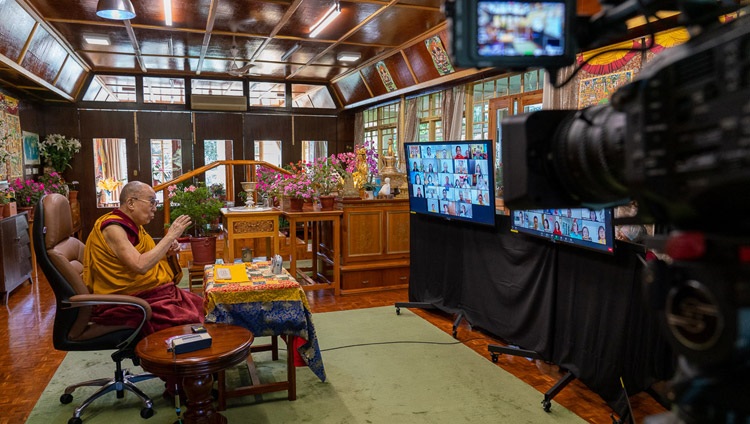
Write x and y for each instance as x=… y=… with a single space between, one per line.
x=204 y=250
x=29 y=209
x=296 y=204
x=326 y=203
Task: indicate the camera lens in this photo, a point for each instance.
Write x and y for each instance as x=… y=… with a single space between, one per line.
x=588 y=155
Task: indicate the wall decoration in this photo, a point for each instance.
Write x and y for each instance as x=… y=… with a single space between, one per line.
x=31 y=148
x=597 y=90
x=11 y=127
x=439 y=55
x=385 y=76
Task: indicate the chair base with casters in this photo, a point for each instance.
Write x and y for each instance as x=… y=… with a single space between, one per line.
x=122 y=381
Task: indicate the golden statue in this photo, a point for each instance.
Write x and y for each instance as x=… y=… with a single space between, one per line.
x=360 y=174
x=389 y=160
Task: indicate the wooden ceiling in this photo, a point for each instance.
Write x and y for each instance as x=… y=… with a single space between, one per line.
x=43 y=51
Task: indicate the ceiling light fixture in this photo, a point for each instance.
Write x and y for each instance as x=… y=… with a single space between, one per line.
x=348 y=56
x=290 y=52
x=168 y=12
x=95 y=39
x=330 y=15
x=115 y=9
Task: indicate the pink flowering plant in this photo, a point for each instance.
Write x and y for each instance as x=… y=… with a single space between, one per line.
x=324 y=176
x=344 y=163
x=196 y=202
x=27 y=192
x=53 y=183
x=371 y=161
x=269 y=182
x=298 y=185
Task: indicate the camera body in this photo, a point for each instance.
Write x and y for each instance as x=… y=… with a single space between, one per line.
x=677 y=139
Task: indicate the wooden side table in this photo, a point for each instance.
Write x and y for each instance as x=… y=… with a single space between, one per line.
x=230 y=346
x=250 y=225
x=314 y=219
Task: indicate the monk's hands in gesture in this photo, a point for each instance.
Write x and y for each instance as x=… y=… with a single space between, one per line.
x=179 y=226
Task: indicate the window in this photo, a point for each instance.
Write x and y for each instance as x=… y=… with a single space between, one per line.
x=105 y=88
x=311 y=150
x=267 y=94
x=164 y=90
x=430 y=113
x=217 y=87
x=214 y=150
x=312 y=96
x=268 y=151
x=381 y=126
x=166 y=162
x=110 y=170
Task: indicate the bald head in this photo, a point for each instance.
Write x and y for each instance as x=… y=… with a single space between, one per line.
x=133 y=189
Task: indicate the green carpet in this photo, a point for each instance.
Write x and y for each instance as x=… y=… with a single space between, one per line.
x=386 y=383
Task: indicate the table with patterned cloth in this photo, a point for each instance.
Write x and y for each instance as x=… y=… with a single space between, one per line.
x=264 y=303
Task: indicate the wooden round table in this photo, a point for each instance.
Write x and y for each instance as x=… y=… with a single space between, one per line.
x=230 y=346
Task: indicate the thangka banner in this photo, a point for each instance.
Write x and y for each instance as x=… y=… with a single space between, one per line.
x=439 y=55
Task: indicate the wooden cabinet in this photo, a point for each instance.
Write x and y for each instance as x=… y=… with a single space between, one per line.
x=15 y=254
x=375 y=245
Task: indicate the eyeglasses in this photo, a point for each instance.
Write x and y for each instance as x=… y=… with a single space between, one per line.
x=153 y=202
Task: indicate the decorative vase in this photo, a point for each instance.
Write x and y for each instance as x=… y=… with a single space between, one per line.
x=75 y=210
x=326 y=202
x=349 y=189
x=295 y=204
x=204 y=250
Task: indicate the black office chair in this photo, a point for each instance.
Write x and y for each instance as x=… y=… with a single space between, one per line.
x=61 y=258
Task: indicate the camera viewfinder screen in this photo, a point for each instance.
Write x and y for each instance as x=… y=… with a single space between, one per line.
x=508 y=28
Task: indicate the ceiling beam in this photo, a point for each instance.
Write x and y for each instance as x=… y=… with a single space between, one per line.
x=207 y=38
x=134 y=42
x=284 y=19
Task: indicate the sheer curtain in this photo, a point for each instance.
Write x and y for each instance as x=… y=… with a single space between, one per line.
x=111 y=166
x=453 y=112
x=411 y=121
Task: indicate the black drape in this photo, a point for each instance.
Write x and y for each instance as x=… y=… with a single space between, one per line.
x=580 y=309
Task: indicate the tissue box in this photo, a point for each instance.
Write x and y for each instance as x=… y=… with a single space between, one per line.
x=190 y=342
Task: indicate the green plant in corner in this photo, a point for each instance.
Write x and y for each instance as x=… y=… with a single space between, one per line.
x=195 y=202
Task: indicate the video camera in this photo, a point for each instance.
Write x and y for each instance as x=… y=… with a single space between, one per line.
x=676 y=139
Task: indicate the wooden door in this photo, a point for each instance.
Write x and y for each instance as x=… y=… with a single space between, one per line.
x=500 y=108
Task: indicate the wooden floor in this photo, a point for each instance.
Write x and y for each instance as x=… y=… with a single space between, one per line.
x=28 y=360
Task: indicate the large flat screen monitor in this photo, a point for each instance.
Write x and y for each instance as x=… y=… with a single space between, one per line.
x=587 y=228
x=452 y=180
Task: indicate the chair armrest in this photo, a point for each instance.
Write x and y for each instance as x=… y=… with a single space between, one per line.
x=81 y=300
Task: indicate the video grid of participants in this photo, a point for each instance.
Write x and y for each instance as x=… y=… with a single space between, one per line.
x=570 y=224
x=451 y=177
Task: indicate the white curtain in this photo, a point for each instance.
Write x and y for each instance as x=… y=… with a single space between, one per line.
x=453 y=112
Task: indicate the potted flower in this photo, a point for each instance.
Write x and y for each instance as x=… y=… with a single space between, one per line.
x=27 y=194
x=298 y=188
x=203 y=209
x=326 y=180
x=53 y=183
x=217 y=191
x=367 y=167
x=269 y=184
x=57 y=150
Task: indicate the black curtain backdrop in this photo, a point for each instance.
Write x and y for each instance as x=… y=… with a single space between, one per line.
x=580 y=309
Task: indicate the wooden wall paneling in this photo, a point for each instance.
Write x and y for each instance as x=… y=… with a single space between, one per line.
x=345 y=132
x=268 y=127
x=314 y=128
x=162 y=125
x=101 y=124
x=351 y=89
x=373 y=80
x=421 y=61
x=399 y=71
x=15 y=27
x=219 y=126
x=64 y=120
